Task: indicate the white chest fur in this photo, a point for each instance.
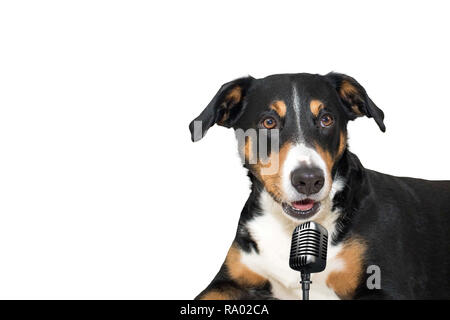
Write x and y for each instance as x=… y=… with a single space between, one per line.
x=272 y=231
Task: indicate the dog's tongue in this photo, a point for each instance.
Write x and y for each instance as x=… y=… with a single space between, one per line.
x=303 y=205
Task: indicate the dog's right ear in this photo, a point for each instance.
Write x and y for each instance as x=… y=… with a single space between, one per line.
x=224 y=109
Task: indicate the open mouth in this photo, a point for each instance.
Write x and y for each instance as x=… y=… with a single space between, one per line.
x=303 y=209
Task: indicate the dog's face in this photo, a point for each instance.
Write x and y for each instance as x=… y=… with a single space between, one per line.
x=291 y=131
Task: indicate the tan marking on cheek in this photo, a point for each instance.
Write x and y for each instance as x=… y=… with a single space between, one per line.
x=240 y=272
x=272 y=182
x=279 y=107
x=344 y=282
x=327 y=158
x=342 y=144
x=315 y=106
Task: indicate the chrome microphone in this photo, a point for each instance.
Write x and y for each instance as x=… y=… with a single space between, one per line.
x=308 y=252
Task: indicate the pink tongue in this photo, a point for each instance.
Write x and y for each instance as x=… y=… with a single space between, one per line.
x=303 y=205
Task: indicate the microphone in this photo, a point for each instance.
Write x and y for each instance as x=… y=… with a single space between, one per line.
x=308 y=252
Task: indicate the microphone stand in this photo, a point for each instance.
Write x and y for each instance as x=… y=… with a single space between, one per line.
x=306 y=281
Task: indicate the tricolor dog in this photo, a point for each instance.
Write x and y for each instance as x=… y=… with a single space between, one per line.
x=399 y=226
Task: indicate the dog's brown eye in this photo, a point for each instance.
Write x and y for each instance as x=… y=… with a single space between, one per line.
x=269 y=123
x=326 y=120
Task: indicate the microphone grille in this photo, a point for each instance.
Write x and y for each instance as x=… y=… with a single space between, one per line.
x=309 y=247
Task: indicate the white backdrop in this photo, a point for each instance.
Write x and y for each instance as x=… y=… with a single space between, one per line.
x=102 y=194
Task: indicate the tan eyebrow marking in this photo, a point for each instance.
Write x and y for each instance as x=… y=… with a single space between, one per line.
x=315 y=106
x=342 y=143
x=279 y=107
x=272 y=182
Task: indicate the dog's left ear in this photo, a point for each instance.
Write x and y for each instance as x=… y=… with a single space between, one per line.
x=355 y=99
x=224 y=109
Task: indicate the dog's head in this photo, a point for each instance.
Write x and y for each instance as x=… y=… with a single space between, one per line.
x=291 y=130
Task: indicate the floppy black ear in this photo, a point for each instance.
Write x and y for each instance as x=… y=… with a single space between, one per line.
x=224 y=109
x=355 y=99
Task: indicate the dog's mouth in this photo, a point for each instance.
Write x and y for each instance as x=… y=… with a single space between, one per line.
x=303 y=209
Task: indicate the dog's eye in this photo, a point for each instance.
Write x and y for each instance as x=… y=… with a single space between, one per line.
x=269 y=123
x=326 y=120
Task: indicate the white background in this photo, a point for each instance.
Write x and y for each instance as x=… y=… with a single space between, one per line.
x=102 y=194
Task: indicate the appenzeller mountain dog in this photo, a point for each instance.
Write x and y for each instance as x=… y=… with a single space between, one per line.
x=292 y=136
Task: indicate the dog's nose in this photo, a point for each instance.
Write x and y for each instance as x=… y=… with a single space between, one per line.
x=307 y=180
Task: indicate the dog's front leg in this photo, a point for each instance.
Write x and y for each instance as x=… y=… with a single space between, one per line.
x=236 y=281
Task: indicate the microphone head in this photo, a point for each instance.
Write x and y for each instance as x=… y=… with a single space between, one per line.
x=309 y=248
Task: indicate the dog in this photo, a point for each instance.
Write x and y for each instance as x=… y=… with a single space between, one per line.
x=394 y=228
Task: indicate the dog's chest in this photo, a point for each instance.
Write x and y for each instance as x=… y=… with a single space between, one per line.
x=273 y=238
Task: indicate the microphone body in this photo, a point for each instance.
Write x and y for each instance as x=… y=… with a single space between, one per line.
x=308 y=252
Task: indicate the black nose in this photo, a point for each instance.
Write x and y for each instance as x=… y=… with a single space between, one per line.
x=307 y=180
